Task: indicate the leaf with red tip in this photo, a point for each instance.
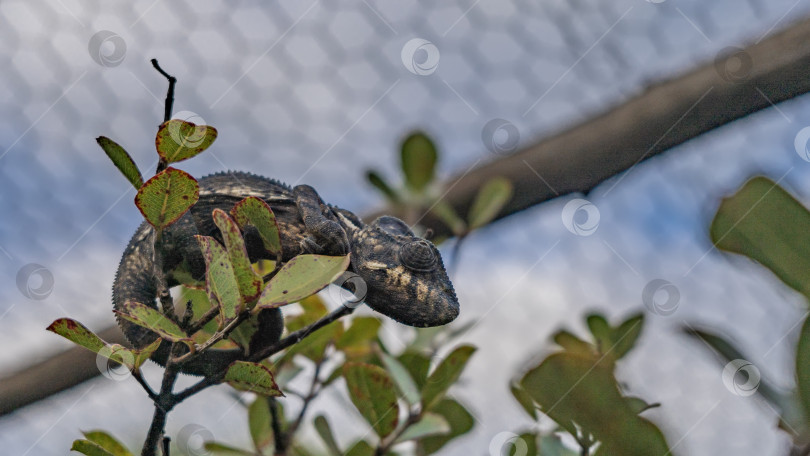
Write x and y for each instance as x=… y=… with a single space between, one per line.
x=121 y=160
x=302 y=276
x=167 y=196
x=247 y=376
x=179 y=140
x=250 y=283
x=152 y=320
x=254 y=211
x=220 y=279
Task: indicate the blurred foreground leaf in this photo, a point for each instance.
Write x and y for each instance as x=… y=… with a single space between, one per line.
x=765 y=223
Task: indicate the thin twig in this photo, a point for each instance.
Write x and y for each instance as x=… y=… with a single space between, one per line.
x=275 y=422
x=164 y=403
x=314 y=389
x=166 y=444
x=149 y=392
x=203 y=320
x=167 y=108
x=221 y=334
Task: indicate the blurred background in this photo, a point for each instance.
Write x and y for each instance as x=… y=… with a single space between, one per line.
x=318 y=93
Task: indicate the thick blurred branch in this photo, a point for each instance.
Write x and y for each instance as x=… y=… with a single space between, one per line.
x=663 y=116
x=55 y=374
x=575 y=160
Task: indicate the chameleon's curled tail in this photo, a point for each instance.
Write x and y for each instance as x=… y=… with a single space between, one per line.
x=135 y=282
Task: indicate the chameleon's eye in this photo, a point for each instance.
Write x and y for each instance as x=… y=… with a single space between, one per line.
x=418 y=256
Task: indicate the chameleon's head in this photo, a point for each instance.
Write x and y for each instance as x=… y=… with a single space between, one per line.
x=404 y=274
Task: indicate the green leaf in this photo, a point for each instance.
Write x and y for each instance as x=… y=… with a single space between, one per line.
x=402 y=378
x=601 y=331
x=356 y=341
x=524 y=399
x=255 y=212
x=89 y=448
x=314 y=345
x=431 y=424
x=764 y=222
x=259 y=423
x=244 y=332
x=153 y=320
x=572 y=387
x=360 y=448
x=803 y=367
x=445 y=212
x=380 y=184
x=254 y=377
x=220 y=279
x=121 y=160
x=418 y=366
x=638 y=405
x=459 y=419
x=77 y=333
x=200 y=304
x=372 y=392
x=178 y=140
x=250 y=283
x=300 y=277
x=166 y=197
x=729 y=352
x=572 y=343
x=445 y=374
x=325 y=431
x=142 y=355
x=489 y=201
x=107 y=442
x=626 y=335
x=551 y=445
x=419 y=158
x=219 y=449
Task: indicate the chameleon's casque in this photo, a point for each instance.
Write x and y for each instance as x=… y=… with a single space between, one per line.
x=404 y=275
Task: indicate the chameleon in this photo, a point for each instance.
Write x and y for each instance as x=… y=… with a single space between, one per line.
x=403 y=274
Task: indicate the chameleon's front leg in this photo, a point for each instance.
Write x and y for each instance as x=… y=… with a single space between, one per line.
x=326 y=236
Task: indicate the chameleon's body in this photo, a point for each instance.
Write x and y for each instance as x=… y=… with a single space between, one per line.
x=404 y=274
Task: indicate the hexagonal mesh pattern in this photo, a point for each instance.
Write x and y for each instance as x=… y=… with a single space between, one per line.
x=319 y=92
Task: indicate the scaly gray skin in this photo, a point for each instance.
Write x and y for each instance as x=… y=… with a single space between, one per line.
x=403 y=273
